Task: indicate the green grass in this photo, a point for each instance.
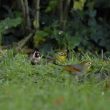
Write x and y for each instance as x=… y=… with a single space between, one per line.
x=45 y=87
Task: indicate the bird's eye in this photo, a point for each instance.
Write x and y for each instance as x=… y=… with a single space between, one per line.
x=61 y=53
x=89 y=63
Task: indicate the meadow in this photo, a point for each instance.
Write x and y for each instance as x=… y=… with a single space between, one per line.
x=46 y=87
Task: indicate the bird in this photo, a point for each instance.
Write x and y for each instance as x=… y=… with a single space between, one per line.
x=35 y=57
x=60 y=57
x=78 y=69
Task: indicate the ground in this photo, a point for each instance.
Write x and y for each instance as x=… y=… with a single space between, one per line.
x=46 y=87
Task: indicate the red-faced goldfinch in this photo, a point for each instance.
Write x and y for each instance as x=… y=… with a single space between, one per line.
x=35 y=58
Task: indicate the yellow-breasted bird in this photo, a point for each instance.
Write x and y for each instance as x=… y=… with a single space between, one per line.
x=60 y=57
x=78 y=69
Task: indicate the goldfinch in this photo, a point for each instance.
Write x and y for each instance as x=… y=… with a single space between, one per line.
x=35 y=57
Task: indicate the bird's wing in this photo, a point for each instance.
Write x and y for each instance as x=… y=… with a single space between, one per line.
x=71 y=68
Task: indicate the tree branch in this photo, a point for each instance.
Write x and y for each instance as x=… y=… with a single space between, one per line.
x=21 y=43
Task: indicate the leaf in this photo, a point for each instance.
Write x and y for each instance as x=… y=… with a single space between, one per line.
x=9 y=23
x=79 y=5
x=73 y=41
x=40 y=37
x=52 y=5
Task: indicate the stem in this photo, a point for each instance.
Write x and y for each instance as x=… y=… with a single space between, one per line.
x=25 y=11
x=37 y=15
x=21 y=43
x=66 y=12
x=61 y=12
x=27 y=14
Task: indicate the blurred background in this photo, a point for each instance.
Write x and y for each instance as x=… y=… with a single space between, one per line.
x=80 y=25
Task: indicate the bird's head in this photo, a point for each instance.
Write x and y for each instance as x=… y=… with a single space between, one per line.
x=35 y=57
x=86 y=64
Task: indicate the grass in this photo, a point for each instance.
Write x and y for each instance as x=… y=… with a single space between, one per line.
x=45 y=87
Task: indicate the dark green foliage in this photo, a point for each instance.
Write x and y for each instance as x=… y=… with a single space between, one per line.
x=52 y=5
x=87 y=24
x=9 y=23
